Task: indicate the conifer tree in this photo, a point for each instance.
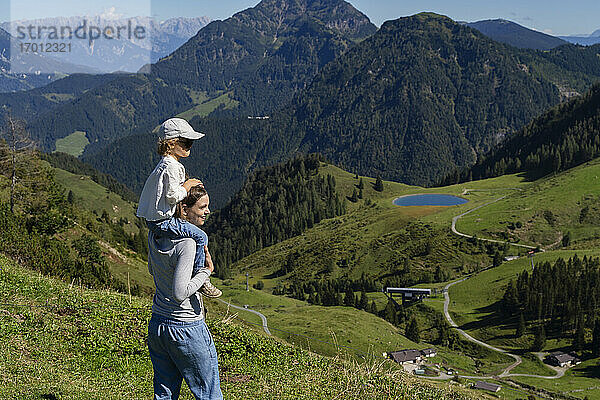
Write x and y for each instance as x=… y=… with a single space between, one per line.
x=566 y=240
x=413 y=332
x=373 y=307
x=520 y=326
x=497 y=259
x=540 y=339
x=364 y=301
x=338 y=299
x=378 y=184
x=354 y=197
x=389 y=313
x=579 y=338
x=361 y=185
x=350 y=298
x=511 y=299
x=596 y=339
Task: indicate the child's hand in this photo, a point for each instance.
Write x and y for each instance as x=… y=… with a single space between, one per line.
x=208 y=263
x=190 y=183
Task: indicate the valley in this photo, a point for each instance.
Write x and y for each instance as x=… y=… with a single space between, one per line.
x=319 y=125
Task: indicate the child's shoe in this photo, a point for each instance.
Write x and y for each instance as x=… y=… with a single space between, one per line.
x=209 y=290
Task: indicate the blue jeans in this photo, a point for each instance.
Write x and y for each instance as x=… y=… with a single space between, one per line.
x=183 y=350
x=176 y=228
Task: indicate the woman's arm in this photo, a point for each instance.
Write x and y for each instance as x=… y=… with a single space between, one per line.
x=183 y=284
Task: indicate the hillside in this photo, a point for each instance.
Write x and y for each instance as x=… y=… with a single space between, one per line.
x=274 y=204
x=380 y=95
x=83 y=351
x=561 y=138
x=516 y=35
x=374 y=242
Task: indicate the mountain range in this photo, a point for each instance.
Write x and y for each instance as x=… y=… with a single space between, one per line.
x=586 y=40
x=516 y=35
x=126 y=53
x=95 y=57
x=410 y=103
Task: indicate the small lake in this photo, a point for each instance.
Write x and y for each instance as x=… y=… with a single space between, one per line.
x=429 y=200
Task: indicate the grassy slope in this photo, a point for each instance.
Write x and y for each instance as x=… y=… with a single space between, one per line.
x=472 y=301
x=92 y=199
x=471 y=309
x=371 y=236
x=205 y=105
x=564 y=195
x=328 y=324
x=96 y=198
x=74 y=144
x=72 y=343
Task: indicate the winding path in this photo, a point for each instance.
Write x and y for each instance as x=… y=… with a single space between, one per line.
x=506 y=372
x=262 y=317
x=453 y=227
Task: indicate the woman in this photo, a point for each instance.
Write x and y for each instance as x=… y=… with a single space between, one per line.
x=180 y=345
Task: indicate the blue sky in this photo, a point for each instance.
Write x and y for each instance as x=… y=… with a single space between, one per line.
x=550 y=16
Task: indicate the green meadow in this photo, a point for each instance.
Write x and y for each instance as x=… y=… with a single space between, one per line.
x=74 y=144
x=543 y=211
x=205 y=105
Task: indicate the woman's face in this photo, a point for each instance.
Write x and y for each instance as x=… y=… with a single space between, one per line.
x=197 y=213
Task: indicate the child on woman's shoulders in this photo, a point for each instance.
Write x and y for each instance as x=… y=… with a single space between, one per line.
x=166 y=186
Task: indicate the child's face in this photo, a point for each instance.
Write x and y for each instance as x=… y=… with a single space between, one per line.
x=182 y=148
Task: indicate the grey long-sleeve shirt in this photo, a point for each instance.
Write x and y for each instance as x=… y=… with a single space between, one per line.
x=170 y=262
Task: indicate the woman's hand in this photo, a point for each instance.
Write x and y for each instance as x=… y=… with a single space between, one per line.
x=208 y=263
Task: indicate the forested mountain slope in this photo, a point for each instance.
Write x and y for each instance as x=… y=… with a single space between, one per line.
x=260 y=57
x=516 y=35
x=563 y=137
x=411 y=103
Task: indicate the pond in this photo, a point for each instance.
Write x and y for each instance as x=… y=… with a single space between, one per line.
x=429 y=200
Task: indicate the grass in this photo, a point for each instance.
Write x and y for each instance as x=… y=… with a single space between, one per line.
x=74 y=144
x=90 y=196
x=295 y=320
x=58 y=97
x=472 y=302
x=72 y=343
x=205 y=105
x=546 y=210
x=532 y=365
x=91 y=200
x=374 y=237
x=580 y=381
x=331 y=328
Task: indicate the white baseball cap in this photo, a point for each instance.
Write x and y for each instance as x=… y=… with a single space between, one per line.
x=178 y=127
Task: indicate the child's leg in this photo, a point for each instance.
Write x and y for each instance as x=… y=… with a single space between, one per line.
x=178 y=228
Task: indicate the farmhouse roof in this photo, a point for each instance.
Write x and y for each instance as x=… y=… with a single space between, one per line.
x=563 y=357
x=406 y=355
x=492 y=387
x=427 y=352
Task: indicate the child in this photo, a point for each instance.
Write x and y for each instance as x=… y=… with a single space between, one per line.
x=166 y=186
